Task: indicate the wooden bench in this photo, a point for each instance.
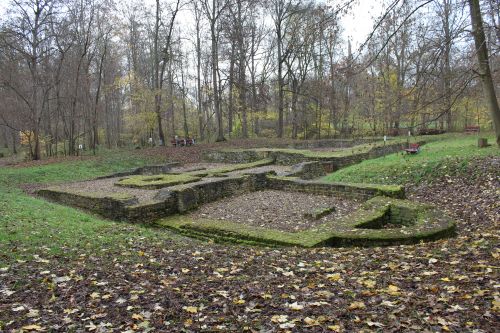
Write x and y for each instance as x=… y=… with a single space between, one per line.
x=471 y=129
x=414 y=148
x=181 y=142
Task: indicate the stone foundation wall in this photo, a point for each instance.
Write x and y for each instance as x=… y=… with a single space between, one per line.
x=402 y=215
x=344 y=190
x=194 y=194
x=307 y=170
x=168 y=201
x=114 y=208
x=326 y=143
x=182 y=198
x=145 y=170
x=234 y=156
x=330 y=163
x=107 y=206
x=335 y=162
x=150 y=211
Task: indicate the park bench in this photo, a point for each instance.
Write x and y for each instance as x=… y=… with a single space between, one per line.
x=413 y=148
x=180 y=142
x=471 y=129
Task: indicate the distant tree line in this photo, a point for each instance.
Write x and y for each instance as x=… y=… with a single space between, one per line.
x=88 y=73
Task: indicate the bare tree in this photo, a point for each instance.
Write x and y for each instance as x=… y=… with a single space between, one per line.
x=213 y=10
x=28 y=32
x=161 y=58
x=484 y=65
x=282 y=12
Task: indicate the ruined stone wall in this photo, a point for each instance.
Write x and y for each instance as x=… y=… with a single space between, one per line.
x=151 y=211
x=331 y=163
x=192 y=195
x=234 y=156
x=345 y=190
x=107 y=206
x=326 y=143
x=145 y=170
x=307 y=170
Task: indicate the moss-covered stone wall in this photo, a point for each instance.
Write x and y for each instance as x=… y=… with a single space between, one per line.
x=362 y=228
x=331 y=160
x=359 y=191
x=192 y=195
x=171 y=200
x=107 y=205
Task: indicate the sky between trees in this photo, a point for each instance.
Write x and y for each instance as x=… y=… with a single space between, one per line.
x=101 y=73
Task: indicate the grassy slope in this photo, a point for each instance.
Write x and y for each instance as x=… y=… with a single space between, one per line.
x=27 y=223
x=449 y=155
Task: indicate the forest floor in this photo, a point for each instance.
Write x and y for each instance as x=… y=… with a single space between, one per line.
x=62 y=269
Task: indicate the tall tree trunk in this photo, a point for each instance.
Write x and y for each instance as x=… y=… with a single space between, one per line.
x=184 y=109
x=157 y=78
x=231 y=91
x=281 y=84
x=198 y=75
x=215 y=83
x=447 y=65
x=14 y=142
x=295 y=97
x=484 y=65
x=242 y=74
x=95 y=129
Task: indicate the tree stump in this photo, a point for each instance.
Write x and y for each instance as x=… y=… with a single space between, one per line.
x=482 y=142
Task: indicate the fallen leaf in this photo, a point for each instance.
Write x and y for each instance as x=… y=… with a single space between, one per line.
x=333 y=277
x=137 y=316
x=296 y=306
x=334 y=328
x=191 y=309
x=356 y=305
x=32 y=328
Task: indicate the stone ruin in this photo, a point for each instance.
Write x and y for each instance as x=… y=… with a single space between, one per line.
x=165 y=195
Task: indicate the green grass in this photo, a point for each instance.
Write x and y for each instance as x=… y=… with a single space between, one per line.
x=31 y=226
x=447 y=155
x=73 y=170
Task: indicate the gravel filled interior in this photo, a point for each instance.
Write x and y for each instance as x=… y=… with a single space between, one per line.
x=280 y=210
x=107 y=185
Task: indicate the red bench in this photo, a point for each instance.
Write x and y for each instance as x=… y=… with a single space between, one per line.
x=414 y=148
x=471 y=129
x=181 y=142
